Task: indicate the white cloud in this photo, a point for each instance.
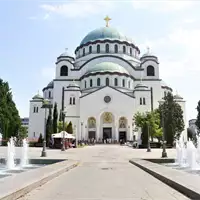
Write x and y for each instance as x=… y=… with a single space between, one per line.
x=78 y=8
x=163 y=6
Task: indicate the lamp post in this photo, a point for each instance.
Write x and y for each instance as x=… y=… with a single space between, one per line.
x=63 y=139
x=148 y=145
x=46 y=105
x=164 y=153
x=81 y=129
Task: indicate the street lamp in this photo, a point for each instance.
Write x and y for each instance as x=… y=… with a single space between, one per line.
x=46 y=105
x=63 y=139
x=81 y=129
x=148 y=145
x=164 y=153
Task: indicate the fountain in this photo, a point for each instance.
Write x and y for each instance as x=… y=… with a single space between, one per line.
x=187 y=155
x=10 y=164
x=24 y=157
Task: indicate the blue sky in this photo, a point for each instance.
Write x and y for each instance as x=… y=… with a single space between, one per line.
x=34 y=33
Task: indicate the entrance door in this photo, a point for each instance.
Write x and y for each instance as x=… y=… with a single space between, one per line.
x=122 y=136
x=107 y=133
x=91 y=135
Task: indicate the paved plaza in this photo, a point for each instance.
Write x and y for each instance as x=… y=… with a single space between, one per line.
x=104 y=173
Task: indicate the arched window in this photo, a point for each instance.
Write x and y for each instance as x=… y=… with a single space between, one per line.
x=107 y=48
x=140 y=101
x=116 y=48
x=116 y=82
x=70 y=100
x=83 y=51
x=49 y=94
x=98 y=82
x=85 y=84
x=90 y=82
x=74 y=100
x=124 y=49
x=131 y=51
x=150 y=71
x=64 y=71
x=107 y=81
x=98 y=48
x=144 y=101
x=90 y=49
x=123 y=83
x=129 y=84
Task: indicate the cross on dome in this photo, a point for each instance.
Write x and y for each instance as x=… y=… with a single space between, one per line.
x=107 y=19
x=148 y=49
x=66 y=49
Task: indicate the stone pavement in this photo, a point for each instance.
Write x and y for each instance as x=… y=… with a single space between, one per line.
x=104 y=173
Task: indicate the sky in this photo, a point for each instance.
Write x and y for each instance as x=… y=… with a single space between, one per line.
x=34 y=33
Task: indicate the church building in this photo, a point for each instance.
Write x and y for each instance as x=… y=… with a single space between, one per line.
x=102 y=86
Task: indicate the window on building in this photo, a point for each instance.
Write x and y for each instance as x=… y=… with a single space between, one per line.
x=107 y=48
x=37 y=109
x=116 y=82
x=144 y=101
x=34 y=109
x=98 y=82
x=107 y=81
x=124 y=49
x=98 y=48
x=85 y=84
x=123 y=83
x=131 y=51
x=64 y=71
x=49 y=94
x=70 y=100
x=74 y=101
x=129 y=84
x=90 y=49
x=140 y=101
x=83 y=51
x=116 y=48
x=150 y=71
x=90 y=82
x=33 y=134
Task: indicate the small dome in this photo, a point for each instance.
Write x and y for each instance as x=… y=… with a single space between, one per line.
x=103 y=34
x=38 y=96
x=141 y=86
x=148 y=54
x=73 y=86
x=66 y=55
x=107 y=67
x=178 y=97
x=50 y=84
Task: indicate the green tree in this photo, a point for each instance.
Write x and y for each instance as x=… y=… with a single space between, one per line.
x=151 y=121
x=69 y=128
x=60 y=116
x=22 y=132
x=9 y=117
x=197 y=123
x=49 y=126
x=55 y=118
x=60 y=126
x=172 y=113
x=40 y=139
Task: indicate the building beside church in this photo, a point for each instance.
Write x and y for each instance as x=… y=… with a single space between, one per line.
x=102 y=87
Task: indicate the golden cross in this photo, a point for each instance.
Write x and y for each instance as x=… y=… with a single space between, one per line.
x=107 y=19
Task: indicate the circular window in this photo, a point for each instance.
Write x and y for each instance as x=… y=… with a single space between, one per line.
x=107 y=99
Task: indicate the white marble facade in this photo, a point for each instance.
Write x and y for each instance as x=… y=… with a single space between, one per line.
x=105 y=84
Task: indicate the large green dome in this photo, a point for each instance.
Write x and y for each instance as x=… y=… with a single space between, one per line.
x=107 y=67
x=104 y=33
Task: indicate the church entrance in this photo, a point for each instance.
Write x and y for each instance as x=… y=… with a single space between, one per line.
x=107 y=133
x=91 y=135
x=122 y=136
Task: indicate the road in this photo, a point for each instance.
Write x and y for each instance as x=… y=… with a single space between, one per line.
x=104 y=173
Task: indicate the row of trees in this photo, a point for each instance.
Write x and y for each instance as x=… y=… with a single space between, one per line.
x=10 y=122
x=54 y=125
x=169 y=114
